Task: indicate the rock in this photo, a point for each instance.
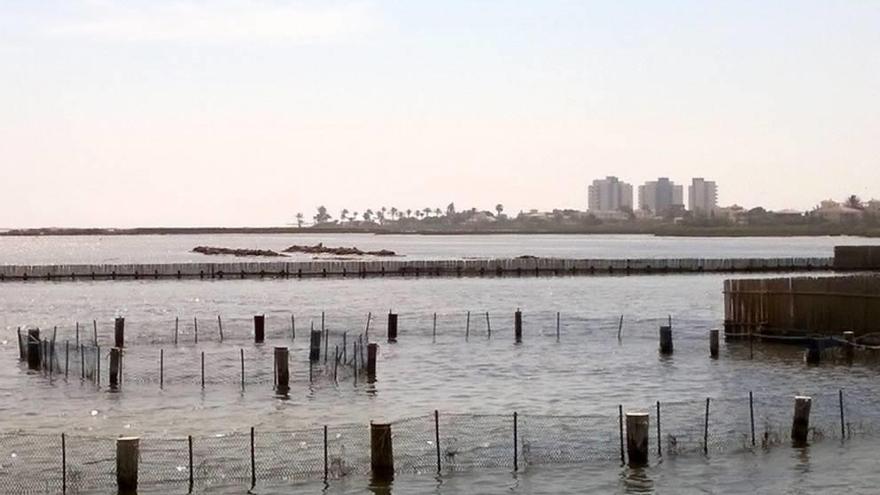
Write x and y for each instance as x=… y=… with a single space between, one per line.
x=217 y=251
x=338 y=251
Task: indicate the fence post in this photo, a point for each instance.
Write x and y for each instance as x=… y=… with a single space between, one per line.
x=620 y=419
x=282 y=373
x=637 y=432
x=203 y=370
x=326 y=463
x=752 y=416
x=842 y=418
x=119 y=331
x=372 y=351
x=22 y=355
x=196 y=329
x=706 y=430
x=801 y=421
x=515 y=441
x=517 y=326
x=253 y=462
x=33 y=348
x=220 y=327
x=66 y=358
x=95 y=331
x=467 y=327
x=292 y=327
x=381 y=452
x=314 y=345
x=176 y=328
x=114 y=367
x=63 y=463
x=557 y=326
x=97 y=366
x=242 y=369
x=127 y=453
x=392 y=328
x=488 y=327
x=434 y=332
x=713 y=343
x=659 y=437
x=161 y=368
x=259 y=329
x=666 y=340
x=190 y=448
x=437 y=438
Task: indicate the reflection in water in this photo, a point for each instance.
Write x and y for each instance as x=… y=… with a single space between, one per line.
x=636 y=480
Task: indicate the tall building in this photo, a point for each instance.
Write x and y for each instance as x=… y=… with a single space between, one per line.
x=661 y=196
x=609 y=194
x=702 y=195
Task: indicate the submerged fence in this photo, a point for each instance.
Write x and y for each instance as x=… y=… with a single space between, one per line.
x=435 y=443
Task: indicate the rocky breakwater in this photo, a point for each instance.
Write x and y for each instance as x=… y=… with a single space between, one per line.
x=320 y=248
x=219 y=251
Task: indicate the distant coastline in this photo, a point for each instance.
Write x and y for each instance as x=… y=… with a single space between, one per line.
x=619 y=229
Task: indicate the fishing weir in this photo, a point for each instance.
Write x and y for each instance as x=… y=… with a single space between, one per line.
x=522 y=266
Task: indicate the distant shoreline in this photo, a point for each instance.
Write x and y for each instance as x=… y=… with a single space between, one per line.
x=654 y=230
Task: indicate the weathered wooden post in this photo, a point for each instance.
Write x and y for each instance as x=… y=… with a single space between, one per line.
x=381 y=452
x=517 y=326
x=392 y=328
x=33 y=348
x=372 y=351
x=282 y=372
x=713 y=342
x=813 y=355
x=800 y=424
x=314 y=345
x=127 y=454
x=119 y=332
x=849 y=348
x=259 y=329
x=115 y=355
x=666 y=339
x=637 y=433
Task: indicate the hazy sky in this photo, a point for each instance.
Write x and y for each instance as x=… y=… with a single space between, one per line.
x=229 y=112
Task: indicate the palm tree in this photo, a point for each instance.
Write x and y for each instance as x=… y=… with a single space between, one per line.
x=408 y=213
x=344 y=214
x=354 y=216
x=381 y=216
x=368 y=215
x=299 y=220
x=322 y=215
x=500 y=209
x=394 y=212
x=427 y=211
x=854 y=202
x=437 y=212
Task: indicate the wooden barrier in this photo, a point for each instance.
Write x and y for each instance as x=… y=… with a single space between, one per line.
x=392 y=328
x=713 y=343
x=119 y=332
x=372 y=353
x=259 y=329
x=127 y=456
x=802 y=305
x=517 y=326
x=282 y=373
x=381 y=452
x=404 y=268
x=115 y=367
x=666 y=340
x=800 y=425
x=637 y=433
x=34 y=356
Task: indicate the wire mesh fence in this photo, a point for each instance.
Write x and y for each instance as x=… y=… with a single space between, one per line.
x=439 y=442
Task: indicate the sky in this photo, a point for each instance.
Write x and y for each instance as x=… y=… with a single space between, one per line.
x=233 y=113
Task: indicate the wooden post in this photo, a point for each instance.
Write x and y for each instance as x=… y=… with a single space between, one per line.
x=666 y=340
x=659 y=436
x=127 y=454
x=242 y=369
x=800 y=424
x=848 y=347
x=282 y=373
x=367 y=329
x=22 y=353
x=176 y=327
x=372 y=350
x=95 y=330
x=119 y=332
x=713 y=343
x=515 y=441
x=813 y=355
x=66 y=358
x=434 y=332
x=161 y=368
x=115 y=354
x=620 y=328
x=292 y=327
x=33 y=349
x=637 y=433
x=488 y=327
x=77 y=335
x=314 y=345
x=752 y=415
x=189 y=441
x=220 y=327
x=842 y=417
x=467 y=327
x=259 y=329
x=63 y=463
x=381 y=452
x=196 y=329
x=392 y=328
x=437 y=438
x=326 y=457
x=517 y=326
x=203 y=370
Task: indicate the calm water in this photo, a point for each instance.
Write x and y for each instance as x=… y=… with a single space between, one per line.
x=176 y=248
x=587 y=372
